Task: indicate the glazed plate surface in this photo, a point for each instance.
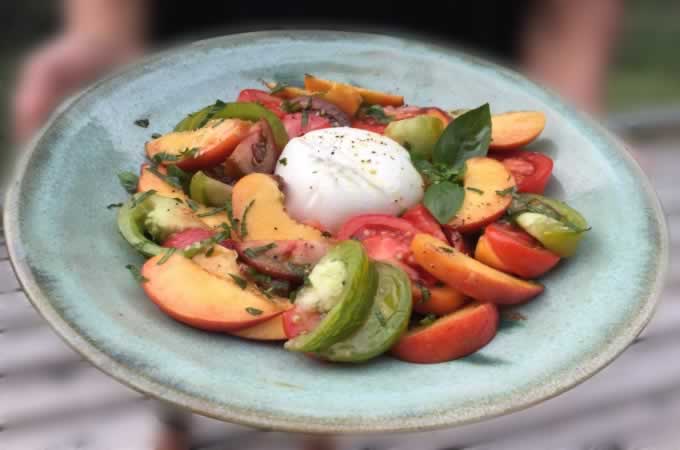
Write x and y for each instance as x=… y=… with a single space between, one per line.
x=71 y=260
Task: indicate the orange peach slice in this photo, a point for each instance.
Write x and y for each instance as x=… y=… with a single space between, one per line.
x=450 y=337
x=266 y=217
x=513 y=130
x=191 y=295
x=469 y=276
x=213 y=143
x=484 y=253
x=150 y=181
x=443 y=300
x=484 y=179
x=313 y=83
x=270 y=330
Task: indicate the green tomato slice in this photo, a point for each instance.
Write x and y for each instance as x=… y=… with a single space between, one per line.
x=351 y=303
x=418 y=134
x=386 y=322
x=209 y=191
x=237 y=110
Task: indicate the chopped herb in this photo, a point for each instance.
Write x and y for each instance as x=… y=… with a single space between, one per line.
x=211 y=212
x=293 y=294
x=129 y=181
x=300 y=270
x=141 y=197
x=244 y=229
x=218 y=122
x=307 y=281
x=288 y=107
x=192 y=204
x=254 y=252
x=283 y=161
x=265 y=292
x=114 y=205
x=427 y=320
x=514 y=316
x=425 y=294
x=253 y=311
x=184 y=178
x=168 y=253
x=206 y=244
x=144 y=123
x=210 y=251
x=478 y=191
x=159 y=158
x=156 y=135
x=239 y=281
x=277 y=87
x=230 y=212
x=380 y=317
x=305 y=119
x=512 y=190
x=446 y=249
x=189 y=153
x=173 y=181
x=136 y=274
x=377 y=113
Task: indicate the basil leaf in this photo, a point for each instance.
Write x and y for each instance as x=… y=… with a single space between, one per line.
x=444 y=200
x=136 y=274
x=129 y=181
x=465 y=137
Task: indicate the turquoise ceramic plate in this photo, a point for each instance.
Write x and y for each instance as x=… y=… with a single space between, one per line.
x=70 y=259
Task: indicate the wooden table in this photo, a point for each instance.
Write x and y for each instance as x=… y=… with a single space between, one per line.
x=51 y=399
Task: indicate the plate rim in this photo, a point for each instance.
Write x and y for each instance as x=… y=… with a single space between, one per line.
x=590 y=366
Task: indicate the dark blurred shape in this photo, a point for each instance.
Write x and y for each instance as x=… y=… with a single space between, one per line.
x=489 y=27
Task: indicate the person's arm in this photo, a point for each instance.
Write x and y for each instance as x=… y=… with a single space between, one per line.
x=568 y=45
x=97 y=36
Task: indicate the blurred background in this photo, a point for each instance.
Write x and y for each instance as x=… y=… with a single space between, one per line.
x=50 y=399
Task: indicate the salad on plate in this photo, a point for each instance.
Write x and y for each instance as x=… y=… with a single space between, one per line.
x=344 y=223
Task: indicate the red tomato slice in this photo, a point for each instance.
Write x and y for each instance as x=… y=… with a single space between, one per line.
x=531 y=170
x=519 y=251
x=187 y=237
x=294 y=128
x=264 y=98
x=387 y=238
x=369 y=124
x=423 y=220
x=298 y=320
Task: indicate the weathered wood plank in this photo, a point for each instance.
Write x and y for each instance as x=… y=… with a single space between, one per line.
x=8 y=281
x=17 y=312
x=33 y=350
x=129 y=427
x=632 y=378
x=55 y=394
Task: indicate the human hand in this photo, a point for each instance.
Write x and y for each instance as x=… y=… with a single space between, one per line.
x=58 y=69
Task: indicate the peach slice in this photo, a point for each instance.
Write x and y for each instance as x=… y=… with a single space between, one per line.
x=450 y=337
x=213 y=143
x=485 y=254
x=469 y=276
x=150 y=181
x=189 y=294
x=484 y=179
x=344 y=97
x=313 y=84
x=443 y=300
x=269 y=330
x=259 y=208
x=516 y=129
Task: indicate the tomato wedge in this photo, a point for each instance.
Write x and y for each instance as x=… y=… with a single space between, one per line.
x=294 y=123
x=264 y=98
x=185 y=238
x=423 y=220
x=518 y=251
x=531 y=170
x=387 y=238
x=297 y=321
